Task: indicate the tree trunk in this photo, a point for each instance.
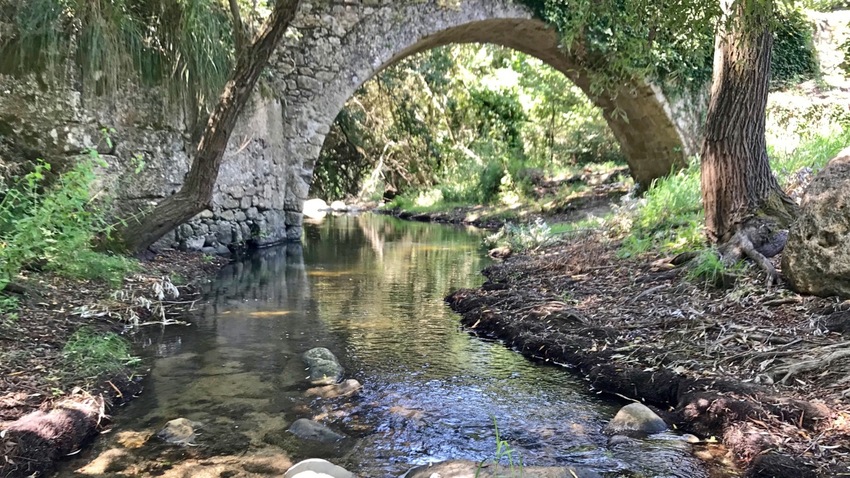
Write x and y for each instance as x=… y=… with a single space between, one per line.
x=737 y=183
x=196 y=193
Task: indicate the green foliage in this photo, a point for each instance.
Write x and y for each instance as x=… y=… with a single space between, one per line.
x=489 y=182
x=669 y=216
x=464 y=120
x=794 y=58
x=498 y=114
x=8 y=305
x=524 y=237
x=51 y=226
x=826 y=5
x=708 y=268
x=620 y=40
x=183 y=44
x=89 y=354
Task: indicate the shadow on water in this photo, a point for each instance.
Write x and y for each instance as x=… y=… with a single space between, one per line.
x=369 y=288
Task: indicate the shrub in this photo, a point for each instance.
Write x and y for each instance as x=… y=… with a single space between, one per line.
x=490 y=181
x=52 y=226
x=668 y=217
x=525 y=237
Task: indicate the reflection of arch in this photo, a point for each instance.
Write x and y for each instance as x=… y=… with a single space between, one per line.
x=335 y=49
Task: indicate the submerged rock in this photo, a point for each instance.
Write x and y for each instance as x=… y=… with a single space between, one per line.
x=472 y=469
x=312 y=430
x=635 y=418
x=317 y=468
x=110 y=461
x=344 y=389
x=180 y=431
x=501 y=252
x=323 y=366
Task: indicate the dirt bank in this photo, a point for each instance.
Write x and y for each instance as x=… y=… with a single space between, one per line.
x=48 y=411
x=759 y=369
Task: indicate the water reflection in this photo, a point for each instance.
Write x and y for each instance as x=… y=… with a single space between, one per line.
x=370 y=289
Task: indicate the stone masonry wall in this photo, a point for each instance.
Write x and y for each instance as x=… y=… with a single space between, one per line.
x=58 y=124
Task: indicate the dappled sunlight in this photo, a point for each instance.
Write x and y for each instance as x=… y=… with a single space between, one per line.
x=332 y=274
x=269 y=313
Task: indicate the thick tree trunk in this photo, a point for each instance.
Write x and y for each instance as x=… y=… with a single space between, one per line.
x=737 y=183
x=196 y=193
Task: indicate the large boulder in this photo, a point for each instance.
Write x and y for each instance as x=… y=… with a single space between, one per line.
x=816 y=259
x=315 y=208
x=635 y=419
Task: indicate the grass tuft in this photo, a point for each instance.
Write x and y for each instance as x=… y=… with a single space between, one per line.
x=90 y=354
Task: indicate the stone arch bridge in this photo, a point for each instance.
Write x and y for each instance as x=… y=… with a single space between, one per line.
x=332 y=47
x=335 y=46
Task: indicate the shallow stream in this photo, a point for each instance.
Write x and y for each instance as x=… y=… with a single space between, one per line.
x=370 y=289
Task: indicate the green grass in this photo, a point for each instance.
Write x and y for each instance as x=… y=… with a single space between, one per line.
x=504 y=454
x=708 y=268
x=588 y=223
x=89 y=354
x=669 y=218
x=178 y=279
x=813 y=153
x=87 y=264
x=9 y=306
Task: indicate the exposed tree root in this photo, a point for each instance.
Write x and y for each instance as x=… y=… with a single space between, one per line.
x=758 y=240
x=825 y=357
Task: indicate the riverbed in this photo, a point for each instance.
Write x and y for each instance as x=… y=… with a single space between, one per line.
x=370 y=289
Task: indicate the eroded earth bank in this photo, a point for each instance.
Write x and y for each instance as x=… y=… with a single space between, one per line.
x=749 y=366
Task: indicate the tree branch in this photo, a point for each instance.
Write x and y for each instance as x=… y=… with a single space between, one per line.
x=196 y=193
x=238 y=27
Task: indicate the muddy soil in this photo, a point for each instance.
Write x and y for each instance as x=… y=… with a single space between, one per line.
x=762 y=370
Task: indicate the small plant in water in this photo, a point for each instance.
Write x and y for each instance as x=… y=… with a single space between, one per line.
x=504 y=452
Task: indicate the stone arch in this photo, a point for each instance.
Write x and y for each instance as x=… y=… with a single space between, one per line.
x=335 y=46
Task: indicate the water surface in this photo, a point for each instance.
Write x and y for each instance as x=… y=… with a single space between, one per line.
x=370 y=289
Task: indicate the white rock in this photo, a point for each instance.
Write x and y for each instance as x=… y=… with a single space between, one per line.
x=317 y=468
x=315 y=208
